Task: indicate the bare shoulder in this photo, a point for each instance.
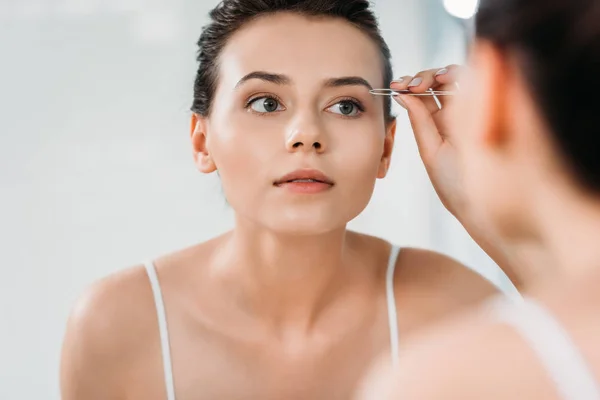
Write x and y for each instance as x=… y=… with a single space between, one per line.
x=426 y=273
x=430 y=287
x=112 y=304
x=107 y=325
x=426 y=270
x=112 y=336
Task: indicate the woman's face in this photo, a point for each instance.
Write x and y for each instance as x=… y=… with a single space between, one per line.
x=293 y=98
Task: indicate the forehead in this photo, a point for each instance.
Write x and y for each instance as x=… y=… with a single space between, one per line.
x=305 y=48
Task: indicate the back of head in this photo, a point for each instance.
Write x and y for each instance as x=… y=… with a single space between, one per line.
x=231 y=15
x=557 y=46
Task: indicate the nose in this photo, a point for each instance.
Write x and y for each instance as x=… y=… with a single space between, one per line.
x=306 y=137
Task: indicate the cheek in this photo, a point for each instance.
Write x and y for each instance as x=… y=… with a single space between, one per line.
x=244 y=149
x=249 y=152
x=357 y=148
x=237 y=140
x=247 y=137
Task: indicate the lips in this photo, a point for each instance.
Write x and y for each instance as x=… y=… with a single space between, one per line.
x=305 y=176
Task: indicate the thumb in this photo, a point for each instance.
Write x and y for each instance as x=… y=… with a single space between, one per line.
x=426 y=131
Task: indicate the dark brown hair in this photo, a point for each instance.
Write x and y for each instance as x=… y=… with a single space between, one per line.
x=557 y=45
x=231 y=15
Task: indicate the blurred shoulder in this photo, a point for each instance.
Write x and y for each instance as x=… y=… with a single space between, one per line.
x=487 y=359
x=490 y=356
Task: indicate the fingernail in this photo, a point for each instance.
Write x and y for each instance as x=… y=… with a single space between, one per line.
x=399 y=80
x=415 y=82
x=442 y=72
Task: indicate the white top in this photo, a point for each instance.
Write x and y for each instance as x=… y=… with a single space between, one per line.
x=164 y=332
x=552 y=345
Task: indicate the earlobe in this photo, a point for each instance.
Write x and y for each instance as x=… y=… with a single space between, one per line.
x=388 y=147
x=202 y=158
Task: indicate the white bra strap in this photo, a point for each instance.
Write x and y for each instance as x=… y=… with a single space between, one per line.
x=391 y=305
x=164 y=333
x=553 y=346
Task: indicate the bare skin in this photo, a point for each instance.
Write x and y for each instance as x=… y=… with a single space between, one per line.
x=233 y=339
x=489 y=360
x=509 y=179
x=289 y=304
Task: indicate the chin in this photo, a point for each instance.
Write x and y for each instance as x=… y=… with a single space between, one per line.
x=304 y=219
x=312 y=219
x=305 y=225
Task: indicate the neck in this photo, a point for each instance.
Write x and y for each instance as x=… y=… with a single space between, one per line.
x=283 y=279
x=567 y=244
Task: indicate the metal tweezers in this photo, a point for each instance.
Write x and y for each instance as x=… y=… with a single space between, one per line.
x=430 y=92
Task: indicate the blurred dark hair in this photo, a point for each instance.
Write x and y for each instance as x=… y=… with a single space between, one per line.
x=231 y=15
x=557 y=45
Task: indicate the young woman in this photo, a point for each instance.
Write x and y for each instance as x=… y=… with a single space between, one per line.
x=521 y=140
x=289 y=304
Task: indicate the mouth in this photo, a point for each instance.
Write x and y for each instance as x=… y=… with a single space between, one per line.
x=305 y=176
x=305 y=181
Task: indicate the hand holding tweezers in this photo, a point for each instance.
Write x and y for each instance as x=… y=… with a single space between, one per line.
x=429 y=92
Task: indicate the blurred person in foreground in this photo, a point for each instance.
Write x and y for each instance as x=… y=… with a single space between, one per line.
x=515 y=156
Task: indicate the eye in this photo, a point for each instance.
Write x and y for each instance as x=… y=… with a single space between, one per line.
x=265 y=105
x=347 y=108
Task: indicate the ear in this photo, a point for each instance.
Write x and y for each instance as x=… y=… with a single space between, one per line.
x=388 y=147
x=202 y=157
x=494 y=77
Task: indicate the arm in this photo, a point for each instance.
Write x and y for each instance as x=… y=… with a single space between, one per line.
x=84 y=370
x=437 y=150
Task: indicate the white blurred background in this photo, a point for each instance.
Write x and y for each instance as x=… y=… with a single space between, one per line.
x=96 y=171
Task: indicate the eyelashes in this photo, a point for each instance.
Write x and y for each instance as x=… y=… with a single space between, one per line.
x=344 y=102
x=264 y=104
x=267 y=103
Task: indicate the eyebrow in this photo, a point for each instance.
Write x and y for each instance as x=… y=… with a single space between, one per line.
x=277 y=79
x=348 y=81
x=280 y=79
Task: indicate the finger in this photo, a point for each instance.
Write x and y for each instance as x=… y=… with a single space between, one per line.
x=446 y=79
x=401 y=83
x=422 y=82
x=428 y=101
x=448 y=74
x=446 y=100
x=426 y=132
x=398 y=100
